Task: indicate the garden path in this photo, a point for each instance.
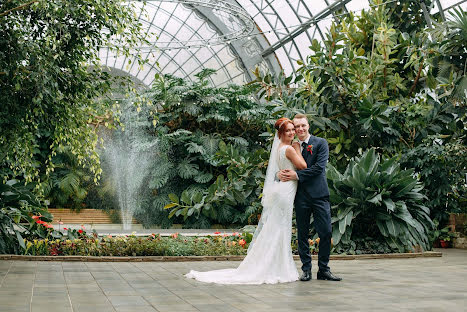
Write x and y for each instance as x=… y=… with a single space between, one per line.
x=414 y=284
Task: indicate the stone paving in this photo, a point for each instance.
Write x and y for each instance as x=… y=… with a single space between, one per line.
x=415 y=284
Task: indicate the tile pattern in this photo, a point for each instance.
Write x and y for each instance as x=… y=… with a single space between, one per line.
x=418 y=284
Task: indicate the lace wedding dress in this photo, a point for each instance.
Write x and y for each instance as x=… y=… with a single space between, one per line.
x=269 y=259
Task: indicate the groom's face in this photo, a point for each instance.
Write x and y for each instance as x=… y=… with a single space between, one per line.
x=301 y=127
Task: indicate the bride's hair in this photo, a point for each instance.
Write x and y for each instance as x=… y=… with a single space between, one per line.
x=280 y=125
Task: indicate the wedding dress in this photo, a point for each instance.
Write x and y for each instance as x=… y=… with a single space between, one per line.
x=269 y=259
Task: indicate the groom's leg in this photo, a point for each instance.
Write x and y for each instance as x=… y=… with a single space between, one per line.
x=322 y=223
x=303 y=213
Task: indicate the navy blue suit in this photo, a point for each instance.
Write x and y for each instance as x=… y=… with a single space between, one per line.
x=313 y=197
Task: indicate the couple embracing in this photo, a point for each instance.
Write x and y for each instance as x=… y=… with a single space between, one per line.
x=296 y=176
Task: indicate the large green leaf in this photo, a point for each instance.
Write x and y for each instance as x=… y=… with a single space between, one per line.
x=344 y=222
x=393 y=227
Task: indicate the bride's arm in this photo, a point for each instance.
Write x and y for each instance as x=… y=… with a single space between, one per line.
x=295 y=157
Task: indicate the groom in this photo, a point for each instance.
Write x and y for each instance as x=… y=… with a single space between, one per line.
x=312 y=197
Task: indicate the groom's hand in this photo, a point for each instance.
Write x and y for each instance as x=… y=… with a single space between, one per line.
x=287 y=175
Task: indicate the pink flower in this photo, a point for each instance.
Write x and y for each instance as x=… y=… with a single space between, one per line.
x=36 y=217
x=174 y=235
x=242 y=242
x=60 y=222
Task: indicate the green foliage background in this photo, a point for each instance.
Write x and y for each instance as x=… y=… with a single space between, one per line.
x=384 y=89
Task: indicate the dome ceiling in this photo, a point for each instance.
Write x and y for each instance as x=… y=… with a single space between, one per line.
x=233 y=37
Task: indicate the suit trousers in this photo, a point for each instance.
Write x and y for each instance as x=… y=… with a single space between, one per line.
x=321 y=209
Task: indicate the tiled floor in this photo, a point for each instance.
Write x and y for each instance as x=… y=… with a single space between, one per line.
x=417 y=284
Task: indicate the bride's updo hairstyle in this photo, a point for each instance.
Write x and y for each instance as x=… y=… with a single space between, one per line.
x=280 y=125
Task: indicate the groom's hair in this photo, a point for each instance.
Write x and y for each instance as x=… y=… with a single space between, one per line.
x=300 y=116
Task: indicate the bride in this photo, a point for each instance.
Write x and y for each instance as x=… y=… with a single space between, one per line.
x=269 y=257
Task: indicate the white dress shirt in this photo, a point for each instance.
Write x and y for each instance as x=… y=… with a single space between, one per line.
x=306 y=141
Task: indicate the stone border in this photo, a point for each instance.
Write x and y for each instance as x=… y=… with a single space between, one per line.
x=207 y=258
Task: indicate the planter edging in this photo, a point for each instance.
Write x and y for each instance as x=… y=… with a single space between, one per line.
x=207 y=258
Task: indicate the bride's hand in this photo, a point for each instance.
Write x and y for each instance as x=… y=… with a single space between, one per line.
x=296 y=145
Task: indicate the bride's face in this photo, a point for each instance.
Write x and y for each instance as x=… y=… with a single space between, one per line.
x=289 y=133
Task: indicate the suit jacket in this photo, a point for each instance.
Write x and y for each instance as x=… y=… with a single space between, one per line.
x=312 y=180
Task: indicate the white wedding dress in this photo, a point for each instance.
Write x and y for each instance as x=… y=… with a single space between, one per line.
x=269 y=259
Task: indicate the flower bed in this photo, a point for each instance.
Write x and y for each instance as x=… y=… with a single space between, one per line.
x=132 y=245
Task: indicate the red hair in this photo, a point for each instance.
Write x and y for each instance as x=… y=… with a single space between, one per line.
x=281 y=124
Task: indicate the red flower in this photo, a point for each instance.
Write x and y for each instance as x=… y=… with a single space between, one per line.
x=217 y=232
x=80 y=231
x=66 y=229
x=309 y=148
x=36 y=217
x=40 y=222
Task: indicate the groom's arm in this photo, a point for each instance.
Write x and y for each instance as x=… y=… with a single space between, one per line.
x=320 y=165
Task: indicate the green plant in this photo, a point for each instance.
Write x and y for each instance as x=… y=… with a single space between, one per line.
x=445 y=234
x=375 y=198
x=67 y=185
x=19 y=211
x=210 y=150
x=52 y=79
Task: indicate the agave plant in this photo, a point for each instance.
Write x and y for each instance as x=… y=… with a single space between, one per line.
x=375 y=198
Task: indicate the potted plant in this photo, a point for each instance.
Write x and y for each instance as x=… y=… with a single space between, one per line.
x=445 y=237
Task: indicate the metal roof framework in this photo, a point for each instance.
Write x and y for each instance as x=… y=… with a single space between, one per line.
x=234 y=37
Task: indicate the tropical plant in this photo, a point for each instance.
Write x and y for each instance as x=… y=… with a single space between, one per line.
x=238 y=194
x=51 y=78
x=375 y=198
x=18 y=205
x=67 y=185
x=209 y=140
x=385 y=80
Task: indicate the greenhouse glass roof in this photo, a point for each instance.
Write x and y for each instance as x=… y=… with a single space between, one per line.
x=234 y=37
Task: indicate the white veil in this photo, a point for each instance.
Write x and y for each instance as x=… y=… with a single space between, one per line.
x=268 y=190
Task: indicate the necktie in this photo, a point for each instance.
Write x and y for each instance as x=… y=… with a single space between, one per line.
x=303 y=149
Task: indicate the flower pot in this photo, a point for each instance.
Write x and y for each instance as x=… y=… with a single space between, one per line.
x=443 y=243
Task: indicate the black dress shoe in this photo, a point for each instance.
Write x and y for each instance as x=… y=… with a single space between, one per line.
x=328 y=276
x=306 y=276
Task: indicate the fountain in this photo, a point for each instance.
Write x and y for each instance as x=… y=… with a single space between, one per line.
x=129 y=153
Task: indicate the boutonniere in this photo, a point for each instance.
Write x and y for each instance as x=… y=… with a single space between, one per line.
x=309 y=148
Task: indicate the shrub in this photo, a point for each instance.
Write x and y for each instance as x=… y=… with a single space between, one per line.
x=375 y=198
